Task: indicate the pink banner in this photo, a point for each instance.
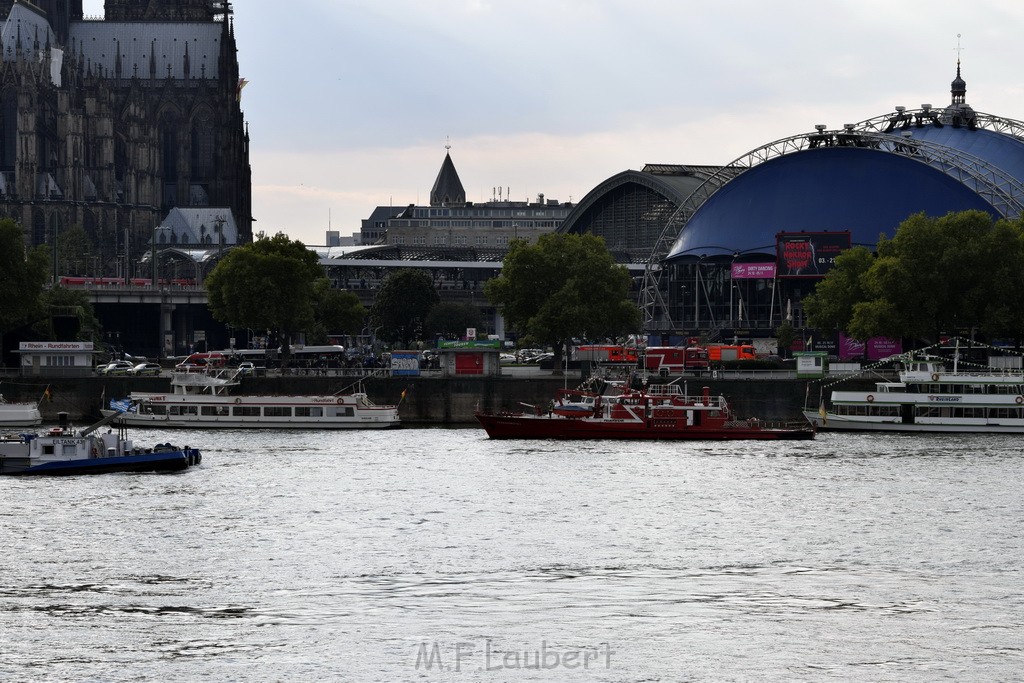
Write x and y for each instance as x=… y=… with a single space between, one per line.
x=875 y=348
x=753 y=271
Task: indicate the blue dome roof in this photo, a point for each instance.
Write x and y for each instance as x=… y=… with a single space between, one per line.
x=999 y=150
x=863 y=190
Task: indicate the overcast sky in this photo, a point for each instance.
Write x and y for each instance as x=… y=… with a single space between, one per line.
x=351 y=102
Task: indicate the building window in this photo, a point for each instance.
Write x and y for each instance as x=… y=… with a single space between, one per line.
x=203 y=146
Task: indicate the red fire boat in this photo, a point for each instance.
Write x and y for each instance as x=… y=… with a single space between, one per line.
x=661 y=411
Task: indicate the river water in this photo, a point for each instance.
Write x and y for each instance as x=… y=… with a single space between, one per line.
x=439 y=555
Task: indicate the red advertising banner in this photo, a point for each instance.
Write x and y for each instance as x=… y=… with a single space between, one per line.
x=753 y=271
x=809 y=254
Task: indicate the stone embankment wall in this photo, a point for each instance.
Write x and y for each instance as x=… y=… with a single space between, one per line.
x=428 y=401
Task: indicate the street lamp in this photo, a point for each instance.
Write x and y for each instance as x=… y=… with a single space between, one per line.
x=696 y=293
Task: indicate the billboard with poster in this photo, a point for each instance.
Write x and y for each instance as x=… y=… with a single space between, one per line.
x=809 y=254
x=876 y=348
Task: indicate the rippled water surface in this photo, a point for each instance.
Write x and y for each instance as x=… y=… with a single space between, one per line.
x=441 y=555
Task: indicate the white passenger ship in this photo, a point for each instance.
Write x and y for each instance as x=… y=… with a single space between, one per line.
x=201 y=400
x=928 y=398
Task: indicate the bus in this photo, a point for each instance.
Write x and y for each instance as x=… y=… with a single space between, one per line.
x=318 y=356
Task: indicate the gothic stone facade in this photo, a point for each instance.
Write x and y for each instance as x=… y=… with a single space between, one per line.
x=108 y=124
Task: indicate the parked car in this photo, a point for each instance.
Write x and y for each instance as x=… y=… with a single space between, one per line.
x=507 y=358
x=524 y=355
x=118 y=367
x=246 y=368
x=147 y=369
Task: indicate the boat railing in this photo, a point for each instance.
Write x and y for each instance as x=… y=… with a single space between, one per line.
x=664 y=390
x=949 y=376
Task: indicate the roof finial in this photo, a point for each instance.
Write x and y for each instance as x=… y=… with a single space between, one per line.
x=958 y=49
x=447 y=143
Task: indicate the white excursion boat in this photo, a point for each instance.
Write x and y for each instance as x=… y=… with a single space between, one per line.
x=201 y=400
x=19 y=414
x=928 y=398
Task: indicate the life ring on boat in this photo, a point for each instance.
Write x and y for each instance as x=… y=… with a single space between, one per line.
x=238 y=400
x=340 y=401
x=1019 y=400
x=871 y=398
x=935 y=377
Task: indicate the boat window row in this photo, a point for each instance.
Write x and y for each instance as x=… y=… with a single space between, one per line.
x=964 y=388
x=972 y=413
x=867 y=410
x=248 y=411
x=981 y=412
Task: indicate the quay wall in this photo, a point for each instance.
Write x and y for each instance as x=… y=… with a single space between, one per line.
x=428 y=400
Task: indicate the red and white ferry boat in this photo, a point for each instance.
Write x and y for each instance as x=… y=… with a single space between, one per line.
x=201 y=400
x=662 y=411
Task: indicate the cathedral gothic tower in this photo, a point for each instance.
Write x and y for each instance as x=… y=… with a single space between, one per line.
x=108 y=125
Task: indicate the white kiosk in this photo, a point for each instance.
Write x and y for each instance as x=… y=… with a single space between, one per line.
x=64 y=359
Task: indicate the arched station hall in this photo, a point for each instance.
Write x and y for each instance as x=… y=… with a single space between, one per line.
x=743 y=244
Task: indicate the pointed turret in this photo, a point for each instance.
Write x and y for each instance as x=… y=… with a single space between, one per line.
x=959 y=113
x=958 y=88
x=447 y=190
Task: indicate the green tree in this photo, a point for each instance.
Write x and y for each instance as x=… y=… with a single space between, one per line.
x=23 y=272
x=562 y=287
x=401 y=306
x=74 y=252
x=267 y=284
x=786 y=335
x=831 y=305
x=960 y=271
x=1002 y=313
x=335 y=312
x=450 y=320
x=67 y=315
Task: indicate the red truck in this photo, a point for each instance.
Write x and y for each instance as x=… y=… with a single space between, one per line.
x=721 y=352
x=605 y=353
x=674 y=360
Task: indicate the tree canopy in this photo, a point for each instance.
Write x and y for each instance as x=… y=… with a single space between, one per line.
x=564 y=286
x=402 y=305
x=67 y=315
x=23 y=272
x=335 y=312
x=451 y=320
x=957 y=272
x=269 y=284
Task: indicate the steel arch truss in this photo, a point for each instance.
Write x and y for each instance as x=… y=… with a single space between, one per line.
x=1004 y=192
